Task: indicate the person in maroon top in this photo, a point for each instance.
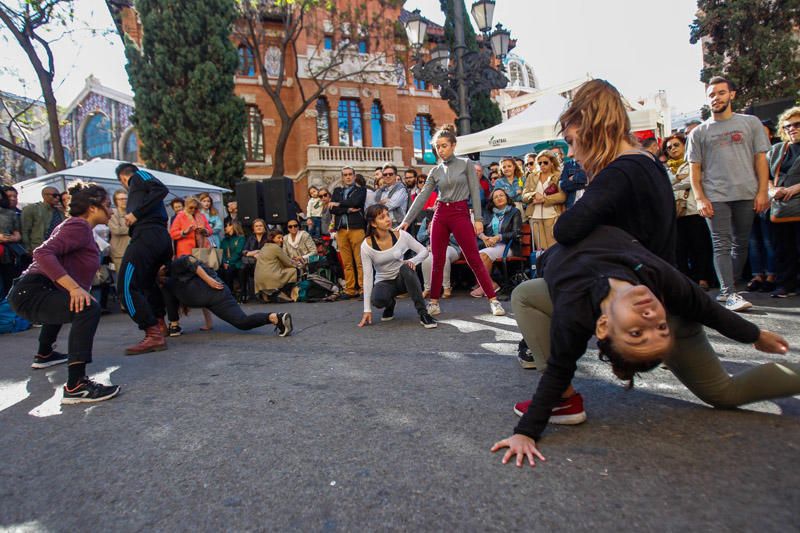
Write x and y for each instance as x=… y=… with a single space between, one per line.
x=54 y=290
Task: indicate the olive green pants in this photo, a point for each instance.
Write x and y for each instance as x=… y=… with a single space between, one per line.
x=693 y=360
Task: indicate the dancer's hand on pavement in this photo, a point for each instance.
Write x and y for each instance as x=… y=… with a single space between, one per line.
x=79 y=299
x=520 y=445
x=770 y=342
x=366 y=319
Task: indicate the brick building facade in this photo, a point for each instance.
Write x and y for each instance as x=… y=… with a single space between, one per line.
x=387 y=118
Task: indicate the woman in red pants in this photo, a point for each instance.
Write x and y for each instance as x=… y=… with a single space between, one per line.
x=456 y=180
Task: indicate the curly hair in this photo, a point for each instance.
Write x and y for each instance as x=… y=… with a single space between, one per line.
x=84 y=195
x=785 y=116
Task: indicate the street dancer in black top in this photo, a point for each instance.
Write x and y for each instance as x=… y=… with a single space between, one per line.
x=189 y=283
x=150 y=249
x=610 y=286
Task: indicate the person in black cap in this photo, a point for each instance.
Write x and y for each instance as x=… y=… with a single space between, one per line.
x=150 y=249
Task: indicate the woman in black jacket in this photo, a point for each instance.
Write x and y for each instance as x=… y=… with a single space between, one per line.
x=502 y=228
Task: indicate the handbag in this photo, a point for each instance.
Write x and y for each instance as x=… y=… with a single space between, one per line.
x=211 y=257
x=782 y=211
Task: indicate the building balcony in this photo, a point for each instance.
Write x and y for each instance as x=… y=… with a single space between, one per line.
x=324 y=163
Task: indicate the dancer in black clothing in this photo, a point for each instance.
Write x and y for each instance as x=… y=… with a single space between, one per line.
x=610 y=286
x=189 y=283
x=150 y=249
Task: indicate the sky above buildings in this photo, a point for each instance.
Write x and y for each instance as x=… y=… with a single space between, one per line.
x=641 y=46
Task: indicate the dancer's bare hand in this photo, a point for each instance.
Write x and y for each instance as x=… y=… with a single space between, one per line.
x=79 y=299
x=478 y=227
x=403 y=226
x=521 y=446
x=770 y=342
x=214 y=284
x=705 y=208
x=366 y=319
x=761 y=202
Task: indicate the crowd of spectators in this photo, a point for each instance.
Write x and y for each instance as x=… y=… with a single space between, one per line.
x=267 y=261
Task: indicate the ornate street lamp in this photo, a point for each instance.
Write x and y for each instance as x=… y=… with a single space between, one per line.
x=416 y=29
x=500 y=38
x=472 y=72
x=483 y=12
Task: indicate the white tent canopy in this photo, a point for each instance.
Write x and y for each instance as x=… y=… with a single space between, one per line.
x=536 y=124
x=101 y=171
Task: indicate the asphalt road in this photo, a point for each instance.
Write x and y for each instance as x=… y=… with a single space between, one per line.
x=386 y=428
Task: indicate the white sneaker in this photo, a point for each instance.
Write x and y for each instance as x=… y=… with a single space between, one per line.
x=433 y=309
x=737 y=303
x=497 y=308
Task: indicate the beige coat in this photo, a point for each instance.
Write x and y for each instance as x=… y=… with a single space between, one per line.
x=552 y=200
x=119 y=237
x=274 y=269
x=304 y=246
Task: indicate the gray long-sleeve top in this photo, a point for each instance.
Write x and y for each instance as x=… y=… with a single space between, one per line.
x=456 y=180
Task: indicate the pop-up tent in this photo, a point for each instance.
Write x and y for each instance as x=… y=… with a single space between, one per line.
x=101 y=171
x=536 y=124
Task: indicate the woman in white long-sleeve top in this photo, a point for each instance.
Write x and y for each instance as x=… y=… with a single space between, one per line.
x=382 y=251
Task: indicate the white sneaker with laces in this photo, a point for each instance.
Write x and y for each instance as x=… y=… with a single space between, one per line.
x=737 y=303
x=497 y=308
x=433 y=309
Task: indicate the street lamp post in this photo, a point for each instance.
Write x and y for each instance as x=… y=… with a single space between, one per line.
x=472 y=72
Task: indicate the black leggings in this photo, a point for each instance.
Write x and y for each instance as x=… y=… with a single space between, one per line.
x=36 y=298
x=149 y=249
x=221 y=303
x=385 y=292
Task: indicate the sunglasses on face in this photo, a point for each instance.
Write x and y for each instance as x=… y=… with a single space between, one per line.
x=544 y=163
x=530 y=163
x=325 y=195
x=54 y=195
x=290 y=226
x=389 y=174
x=795 y=125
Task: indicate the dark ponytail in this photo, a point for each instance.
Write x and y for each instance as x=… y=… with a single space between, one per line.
x=624 y=369
x=85 y=195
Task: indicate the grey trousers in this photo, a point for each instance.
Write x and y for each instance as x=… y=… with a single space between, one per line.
x=730 y=236
x=384 y=293
x=693 y=360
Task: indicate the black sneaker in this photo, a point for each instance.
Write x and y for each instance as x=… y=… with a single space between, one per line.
x=284 y=325
x=54 y=358
x=174 y=331
x=780 y=292
x=388 y=313
x=524 y=356
x=87 y=391
x=427 y=320
x=768 y=286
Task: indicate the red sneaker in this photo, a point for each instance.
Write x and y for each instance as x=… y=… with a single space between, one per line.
x=568 y=413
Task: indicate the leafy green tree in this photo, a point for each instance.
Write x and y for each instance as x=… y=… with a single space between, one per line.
x=483 y=111
x=754 y=43
x=188 y=119
x=31 y=24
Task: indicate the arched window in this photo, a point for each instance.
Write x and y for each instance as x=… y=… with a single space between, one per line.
x=531 y=78
x=131 y=148
x=323 y=122
x=376 y=124
x=254 y=135
x=351 y=131
x=247 y=65
x=97 y=140
x=514 y=73
x=423 y=128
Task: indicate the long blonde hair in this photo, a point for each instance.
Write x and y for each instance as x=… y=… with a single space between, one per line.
x=603 y=123
x=555 y=161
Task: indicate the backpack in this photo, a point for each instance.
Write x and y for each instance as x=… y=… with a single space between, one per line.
x=9 y=321
x=316 y=288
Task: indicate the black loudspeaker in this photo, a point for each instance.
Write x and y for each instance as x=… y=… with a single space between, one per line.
x=278 y=200
x=250 y=198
